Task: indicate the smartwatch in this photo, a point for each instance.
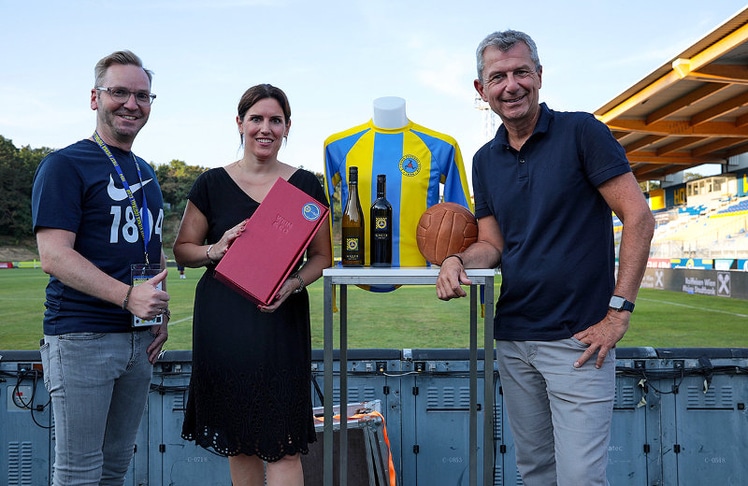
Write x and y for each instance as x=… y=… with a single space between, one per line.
x=620 y=304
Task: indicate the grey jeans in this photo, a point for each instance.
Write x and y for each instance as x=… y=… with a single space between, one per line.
x=560 y=416
x=99 y=385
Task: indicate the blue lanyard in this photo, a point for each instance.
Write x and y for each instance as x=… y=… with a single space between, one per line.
x=144 y=221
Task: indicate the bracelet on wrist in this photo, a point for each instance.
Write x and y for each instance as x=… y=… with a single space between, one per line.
x=127 y=298
x=301 y=283
x=453 y=255
x=207 y=254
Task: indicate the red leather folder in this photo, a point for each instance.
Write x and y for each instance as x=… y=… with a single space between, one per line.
x=275 y=237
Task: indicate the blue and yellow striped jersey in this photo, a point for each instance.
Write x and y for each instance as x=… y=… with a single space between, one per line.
x=417 y=162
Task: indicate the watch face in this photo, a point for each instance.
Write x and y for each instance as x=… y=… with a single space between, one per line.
x=620 y=304
x=616 y=302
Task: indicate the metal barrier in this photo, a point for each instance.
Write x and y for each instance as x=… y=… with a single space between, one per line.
x=680 y=418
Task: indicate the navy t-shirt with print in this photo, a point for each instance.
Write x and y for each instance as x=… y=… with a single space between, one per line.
x=78 y=189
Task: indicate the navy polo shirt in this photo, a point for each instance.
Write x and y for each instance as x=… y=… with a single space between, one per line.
x=558 y=262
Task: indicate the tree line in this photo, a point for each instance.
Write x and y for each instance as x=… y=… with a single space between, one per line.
x=17 y=169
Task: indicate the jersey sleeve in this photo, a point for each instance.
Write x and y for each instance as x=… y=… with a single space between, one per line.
x=456 y=187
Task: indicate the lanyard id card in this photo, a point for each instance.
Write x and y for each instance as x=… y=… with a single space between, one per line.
x=143 y=222
x=141 y=272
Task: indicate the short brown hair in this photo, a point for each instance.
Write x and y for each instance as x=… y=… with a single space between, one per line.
x=125 y=58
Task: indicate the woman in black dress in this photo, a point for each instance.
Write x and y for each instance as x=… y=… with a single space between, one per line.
x=250 y=394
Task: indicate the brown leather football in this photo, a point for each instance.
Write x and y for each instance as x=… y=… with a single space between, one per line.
x=444 y=229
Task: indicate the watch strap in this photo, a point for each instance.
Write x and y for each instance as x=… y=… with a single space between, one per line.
x=625 y=305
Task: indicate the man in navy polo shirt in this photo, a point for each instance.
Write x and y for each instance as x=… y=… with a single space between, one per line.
x=544 y=189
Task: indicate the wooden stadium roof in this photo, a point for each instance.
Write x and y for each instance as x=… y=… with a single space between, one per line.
x=691 y=111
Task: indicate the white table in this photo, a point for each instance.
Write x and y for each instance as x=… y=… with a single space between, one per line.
x=344 y=276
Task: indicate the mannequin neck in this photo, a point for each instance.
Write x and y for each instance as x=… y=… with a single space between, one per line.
x=389 y=112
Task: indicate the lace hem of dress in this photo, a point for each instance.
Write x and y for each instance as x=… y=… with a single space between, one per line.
x=214 y=444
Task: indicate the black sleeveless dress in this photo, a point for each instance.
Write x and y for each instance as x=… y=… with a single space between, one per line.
x=250 y=388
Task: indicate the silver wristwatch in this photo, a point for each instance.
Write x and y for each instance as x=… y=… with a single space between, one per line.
x=620 y=304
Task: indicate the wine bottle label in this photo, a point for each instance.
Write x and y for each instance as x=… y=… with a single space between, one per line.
x=353 y=247
x=380 y=223
x=351 y=244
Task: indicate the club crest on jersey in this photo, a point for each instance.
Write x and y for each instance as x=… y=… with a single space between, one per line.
x=311 y=212
x=410 y=165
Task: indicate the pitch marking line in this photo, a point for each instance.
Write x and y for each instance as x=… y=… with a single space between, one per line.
x=704 y=309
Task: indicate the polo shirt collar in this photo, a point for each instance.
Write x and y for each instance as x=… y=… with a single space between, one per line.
x=543 y=125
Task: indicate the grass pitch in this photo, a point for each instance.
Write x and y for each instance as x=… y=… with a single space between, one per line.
x=410 y=317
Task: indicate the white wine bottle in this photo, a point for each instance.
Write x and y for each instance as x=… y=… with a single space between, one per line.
x=354 y=243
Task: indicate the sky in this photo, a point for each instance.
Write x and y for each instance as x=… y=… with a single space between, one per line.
x=332 y=58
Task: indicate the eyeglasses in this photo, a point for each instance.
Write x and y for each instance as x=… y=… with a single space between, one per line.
x=121 y=95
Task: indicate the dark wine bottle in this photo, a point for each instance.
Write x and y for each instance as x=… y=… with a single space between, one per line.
x=380 y=232
x=353 y=245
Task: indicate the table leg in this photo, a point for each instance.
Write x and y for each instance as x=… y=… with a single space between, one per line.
x=473 y=434
x=488 y=385
x=328 y=376
x=343 y=385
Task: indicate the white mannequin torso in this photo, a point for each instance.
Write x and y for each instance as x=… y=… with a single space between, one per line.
x=389 y=112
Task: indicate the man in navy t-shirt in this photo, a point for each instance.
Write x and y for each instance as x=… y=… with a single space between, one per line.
x=544 y=190
x=98 y=215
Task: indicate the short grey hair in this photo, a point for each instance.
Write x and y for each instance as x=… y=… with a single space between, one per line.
x=504 y=41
